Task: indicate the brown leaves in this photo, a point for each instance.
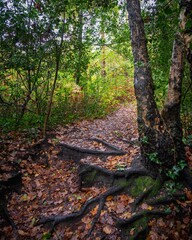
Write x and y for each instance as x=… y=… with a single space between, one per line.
x=120 y=205
x=188 y=154
x=54 y=190
x=188 y=194
x=108 y=229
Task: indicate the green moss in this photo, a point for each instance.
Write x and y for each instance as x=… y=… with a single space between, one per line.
x=122 y=182
x=136 y=227
x=90 y=177
x=140 y=184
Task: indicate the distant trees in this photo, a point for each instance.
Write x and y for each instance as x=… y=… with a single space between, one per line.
x=46 y=48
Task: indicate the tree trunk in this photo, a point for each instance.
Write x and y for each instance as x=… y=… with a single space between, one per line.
x=171 y=111
x=78 y=71
x=154 y=139
x=58 y=59
x=160 y=135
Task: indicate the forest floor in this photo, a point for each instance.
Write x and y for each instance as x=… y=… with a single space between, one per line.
x=54 y=189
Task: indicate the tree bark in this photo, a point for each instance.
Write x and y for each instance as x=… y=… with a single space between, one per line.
x=160 y=134
x=58 y=59
x=154 y=138
x=171 y=111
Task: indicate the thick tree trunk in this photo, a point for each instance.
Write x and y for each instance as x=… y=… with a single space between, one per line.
x=155 y=140
x=171 y=111
x=160 y=135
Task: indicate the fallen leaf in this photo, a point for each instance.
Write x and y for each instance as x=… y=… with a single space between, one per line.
x=109 y=198
x=94 y=211
x=107 y=229
x=24 y=198
x=120 y=208
x=22 y=233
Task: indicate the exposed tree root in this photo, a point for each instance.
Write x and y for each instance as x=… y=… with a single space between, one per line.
x=141 y=198
x=166 y=199
x=76 y=153
x=118 y=181
x=142 y=234
x=91 y=174
x=130 y=142
x=106 y=144
x=84 y=209
x=146 y=213
x=140 y=223
x=153 y=189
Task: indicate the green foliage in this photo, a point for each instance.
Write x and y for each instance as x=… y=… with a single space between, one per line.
x=188 y=140
x=46 y=236
x=154 y=157
x=175 y=171
x=172 y=187
x=145 y=140
x=121 y=167
x=33 y=58
x=160 y=37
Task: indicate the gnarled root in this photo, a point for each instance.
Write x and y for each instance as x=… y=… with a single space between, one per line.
x=84 y=209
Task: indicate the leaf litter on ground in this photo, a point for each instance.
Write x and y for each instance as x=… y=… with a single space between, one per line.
x=55 y=190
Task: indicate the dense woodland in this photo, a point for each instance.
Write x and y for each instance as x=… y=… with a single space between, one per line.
x=95 y=119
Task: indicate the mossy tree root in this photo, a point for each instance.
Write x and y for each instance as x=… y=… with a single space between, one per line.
x=118 y=181
x=89 y=175
x=152 y=191
x=114 y=190
x=166 y=199
x=125 y=224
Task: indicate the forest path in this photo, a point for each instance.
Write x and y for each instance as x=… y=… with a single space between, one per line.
x=115 y=128
x=54 y=190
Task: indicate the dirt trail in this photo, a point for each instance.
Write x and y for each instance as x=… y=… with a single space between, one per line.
x=119 y=125
x=54 y=190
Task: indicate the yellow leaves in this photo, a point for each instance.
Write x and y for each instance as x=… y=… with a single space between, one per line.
x=150 y=208
x=109 y=198
x=145 y=206
x=28 y=197
x=107 y=229
x=94 y=210
x=24 y=198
